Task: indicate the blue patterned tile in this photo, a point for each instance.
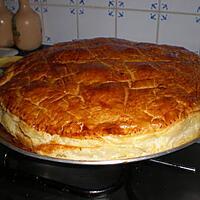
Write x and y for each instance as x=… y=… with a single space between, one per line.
x=164 y=6
x=37 y=9
x=111 y=4
x=72 y=2
x=197 y=19
x=153 y=16
x=82 y=2
x=47 y=39
x=198 y=9
x=81 y=11
x=163 y=17
x=44 y=9
x=120 y=13
x=154 y=6
x=111 y=12
x=180 y=5
x=13 y=8
x=12 y=5
x=121 y=4
x=72 y=11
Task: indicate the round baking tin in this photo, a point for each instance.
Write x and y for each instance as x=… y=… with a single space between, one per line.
x=91 y=162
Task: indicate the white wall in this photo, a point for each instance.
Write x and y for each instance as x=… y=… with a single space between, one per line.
x=174 y=22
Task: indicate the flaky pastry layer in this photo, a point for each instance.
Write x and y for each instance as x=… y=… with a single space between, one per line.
x=103 y=148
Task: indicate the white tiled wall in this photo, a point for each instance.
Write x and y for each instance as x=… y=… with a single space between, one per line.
x=55 y=29
x=137 y=26
x=160 y=21
x=96 y=23
x=141 y=4
x=180 y=30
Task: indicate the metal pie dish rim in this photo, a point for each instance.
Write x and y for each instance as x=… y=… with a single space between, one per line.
x=93 y=162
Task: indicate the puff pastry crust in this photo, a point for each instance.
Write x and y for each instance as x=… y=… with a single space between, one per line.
x=102 y=99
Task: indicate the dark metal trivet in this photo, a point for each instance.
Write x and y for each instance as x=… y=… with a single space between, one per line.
x=79 y=179
x=20 y=186
x=129 y=180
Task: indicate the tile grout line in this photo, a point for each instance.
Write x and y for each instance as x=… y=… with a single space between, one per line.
x=77 y=21
x=42 y=21
x=116 y=11
x=179 y=13
x=161 y=11
x=125 y=9
x=158 y=22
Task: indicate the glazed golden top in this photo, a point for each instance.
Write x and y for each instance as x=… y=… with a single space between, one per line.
x=102 y=86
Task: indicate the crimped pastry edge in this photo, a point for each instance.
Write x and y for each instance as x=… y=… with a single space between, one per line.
x=103 y=148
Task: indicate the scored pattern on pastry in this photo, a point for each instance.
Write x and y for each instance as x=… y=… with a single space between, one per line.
x=90 y=88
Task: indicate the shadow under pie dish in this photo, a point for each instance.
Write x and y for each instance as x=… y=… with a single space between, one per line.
x=102 y=99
